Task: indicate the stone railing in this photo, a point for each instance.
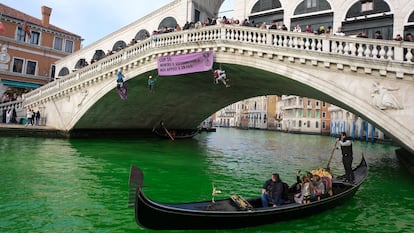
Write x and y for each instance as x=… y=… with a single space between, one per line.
x=245 y=38
x=17 y=105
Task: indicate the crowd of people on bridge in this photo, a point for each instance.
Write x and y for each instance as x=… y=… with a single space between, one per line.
x=275 y=25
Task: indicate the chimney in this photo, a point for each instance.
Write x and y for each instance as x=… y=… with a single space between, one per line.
x=46 y=11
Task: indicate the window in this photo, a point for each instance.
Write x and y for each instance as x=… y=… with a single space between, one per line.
x=35 y=38
x=196 y=15
x=309 y=103
x=18 y=65
x=310 y=3
x=317 y=114
x=20 y=34
x=317 y=104
x=69 y=46
x=323 y=114
x=300 y=123
x=52 y=72
x=324 y=104
x=58 y=45
x=324 y=125
x=308 y=124
x=367 y=5
x=317 y=125
x=309 y=113
x=31 y=67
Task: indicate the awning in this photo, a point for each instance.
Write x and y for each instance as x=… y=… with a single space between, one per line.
x=19 y=84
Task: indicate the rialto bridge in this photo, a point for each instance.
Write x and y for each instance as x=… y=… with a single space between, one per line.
x=373 y=79
x=367 y=77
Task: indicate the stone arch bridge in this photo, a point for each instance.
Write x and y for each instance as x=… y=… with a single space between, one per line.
x=371 y=78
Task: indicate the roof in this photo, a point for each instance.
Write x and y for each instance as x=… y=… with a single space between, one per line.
x=18 y=15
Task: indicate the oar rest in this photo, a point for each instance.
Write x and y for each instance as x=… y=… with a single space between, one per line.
x=241 y=203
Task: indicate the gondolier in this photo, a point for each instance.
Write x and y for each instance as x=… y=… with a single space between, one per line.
x=347 y=156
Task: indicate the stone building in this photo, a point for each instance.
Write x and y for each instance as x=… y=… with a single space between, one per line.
x=29 y=49
x=303 y=115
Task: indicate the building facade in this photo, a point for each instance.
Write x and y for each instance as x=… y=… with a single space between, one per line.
x=29 y=49
x=354 y=126
x=254 y=113
x=301 y=115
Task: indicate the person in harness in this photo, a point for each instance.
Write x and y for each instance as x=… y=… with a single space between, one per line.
x=120 y=79
x=220 y=75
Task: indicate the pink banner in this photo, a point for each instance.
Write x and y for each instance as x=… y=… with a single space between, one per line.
x=185 y=64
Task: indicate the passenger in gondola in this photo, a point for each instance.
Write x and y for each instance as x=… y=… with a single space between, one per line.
x=295 y=189
x=272 y=191
x=318 y=187
x=306 y=190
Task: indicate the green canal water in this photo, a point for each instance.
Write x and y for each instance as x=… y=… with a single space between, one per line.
x=53 y=185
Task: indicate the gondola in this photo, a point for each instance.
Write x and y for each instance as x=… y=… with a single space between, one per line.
x=175 y=133
x=233 y=212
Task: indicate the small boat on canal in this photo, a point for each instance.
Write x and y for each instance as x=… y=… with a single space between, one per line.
x=235 y=211
x=176 y=133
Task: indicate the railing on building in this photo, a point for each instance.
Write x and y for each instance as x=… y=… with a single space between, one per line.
x=17 y=106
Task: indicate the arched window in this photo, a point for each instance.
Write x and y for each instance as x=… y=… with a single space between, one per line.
x=315 y=20
x=63 y=72
x=411 y=18
x=360 y=8
x=81 y=63
x=142 y=35
x=381 y=19
x=265 y=5
x=168 y=22
x=410 y=28
x=119 y=45
x=309 y=6
x=99 y=54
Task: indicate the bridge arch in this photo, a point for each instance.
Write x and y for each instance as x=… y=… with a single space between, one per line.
x=266 y=61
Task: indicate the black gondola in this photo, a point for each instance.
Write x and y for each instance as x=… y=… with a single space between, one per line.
x=176 y=133
x=234 y=212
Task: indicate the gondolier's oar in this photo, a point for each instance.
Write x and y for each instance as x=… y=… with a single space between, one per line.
x=330 y=158
x=166 y=130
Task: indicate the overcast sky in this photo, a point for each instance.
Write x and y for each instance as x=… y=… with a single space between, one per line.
x=93 y=19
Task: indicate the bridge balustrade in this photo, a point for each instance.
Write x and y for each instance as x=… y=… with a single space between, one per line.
x=397 y=51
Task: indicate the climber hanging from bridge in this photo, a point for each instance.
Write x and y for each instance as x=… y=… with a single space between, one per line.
x=121 y=86
x=220 y=75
